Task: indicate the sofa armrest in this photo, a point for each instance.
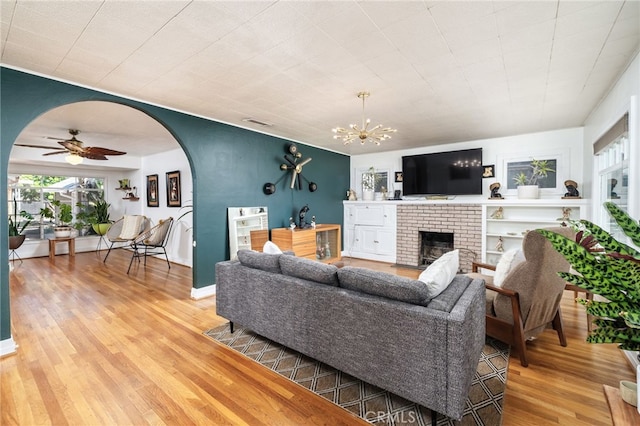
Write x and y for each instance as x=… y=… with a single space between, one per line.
x=479 y=265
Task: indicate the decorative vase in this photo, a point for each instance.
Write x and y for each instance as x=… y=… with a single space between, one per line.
x=101 y=228
x=528 y=191
x=62 y=231
x=16 y=241
x=368 y=195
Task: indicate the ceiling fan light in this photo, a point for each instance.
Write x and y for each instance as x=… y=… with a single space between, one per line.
x=73 y=159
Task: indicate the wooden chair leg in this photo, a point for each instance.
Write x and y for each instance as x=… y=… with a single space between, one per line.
x=520 y=344
x=558 y=326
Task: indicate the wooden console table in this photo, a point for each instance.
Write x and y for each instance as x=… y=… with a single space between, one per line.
x=71 y=241
x=622 y=414
x=311 y=243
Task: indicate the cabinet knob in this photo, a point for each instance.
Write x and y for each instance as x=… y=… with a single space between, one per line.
x=376 y=241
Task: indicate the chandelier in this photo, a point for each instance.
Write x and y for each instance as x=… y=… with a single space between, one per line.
x=376 y=135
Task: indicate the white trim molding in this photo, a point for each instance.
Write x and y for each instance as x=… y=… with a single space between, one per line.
x=8 y=347
x=202 y=292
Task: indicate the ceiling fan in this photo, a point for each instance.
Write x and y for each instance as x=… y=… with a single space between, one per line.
x=74 y=146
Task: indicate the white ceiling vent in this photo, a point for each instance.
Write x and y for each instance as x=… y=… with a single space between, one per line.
x=258 y=122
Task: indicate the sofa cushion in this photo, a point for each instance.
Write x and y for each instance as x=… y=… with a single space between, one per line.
x=440 y=273
x=383 y=284
x=264 y=261
x=308 y=269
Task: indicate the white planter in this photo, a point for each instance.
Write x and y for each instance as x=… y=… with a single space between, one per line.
x=62 y=231
x=368 y=195
x=528 y=191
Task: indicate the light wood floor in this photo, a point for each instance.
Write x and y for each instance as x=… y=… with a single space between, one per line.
x=98 y=346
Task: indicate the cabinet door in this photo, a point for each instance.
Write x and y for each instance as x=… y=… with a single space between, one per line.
x=369 y=214
x=370 y=240
x=386 y=242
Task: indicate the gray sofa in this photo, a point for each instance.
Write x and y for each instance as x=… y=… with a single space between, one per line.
x=378 y=327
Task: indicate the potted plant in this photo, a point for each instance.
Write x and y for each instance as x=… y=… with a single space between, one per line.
x=99 y=218
x=369 y=180
x=17 y=227
x=64 y=213
x=608 y=268
x=528 y=183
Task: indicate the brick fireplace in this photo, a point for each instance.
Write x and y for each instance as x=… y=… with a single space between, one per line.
x=464 y=221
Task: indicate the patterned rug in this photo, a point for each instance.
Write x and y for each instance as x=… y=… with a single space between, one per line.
x=375 y=405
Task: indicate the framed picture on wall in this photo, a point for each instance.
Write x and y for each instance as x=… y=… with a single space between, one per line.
x=174 y=197
x=552 y=184
x=152 y=191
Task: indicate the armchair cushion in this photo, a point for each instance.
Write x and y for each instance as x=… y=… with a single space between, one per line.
x=505 y=265
x=131 y=226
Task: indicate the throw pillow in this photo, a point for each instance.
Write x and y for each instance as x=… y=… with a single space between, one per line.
x=131 y=227
x=264 y=261
x=440 y=273
x=271 y=248
x=507 y=262
x=308 y=269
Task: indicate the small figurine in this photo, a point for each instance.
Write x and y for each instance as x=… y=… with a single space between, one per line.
x=572 y=189
x=292 y=224
x=384 y=192
x=494 y=187
x=352 y=195
x=301 y=223
x=499 y=245
x=498 y=214
x=313 y=222
x=613 y=182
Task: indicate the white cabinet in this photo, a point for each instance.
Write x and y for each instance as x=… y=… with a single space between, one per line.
x=243 y=220
x=506 y=229
x=370 y=231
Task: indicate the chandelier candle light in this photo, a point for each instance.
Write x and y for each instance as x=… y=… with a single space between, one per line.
x=376 y=134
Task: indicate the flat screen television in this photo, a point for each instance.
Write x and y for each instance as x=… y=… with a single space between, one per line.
x=443 y=173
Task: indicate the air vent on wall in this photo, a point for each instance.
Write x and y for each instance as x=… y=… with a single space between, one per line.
x=258 y=122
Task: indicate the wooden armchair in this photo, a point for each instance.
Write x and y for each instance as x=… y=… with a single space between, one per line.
x=528 y=299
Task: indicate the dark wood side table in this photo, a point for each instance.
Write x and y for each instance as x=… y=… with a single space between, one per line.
x=588 y=296
x=71 y=241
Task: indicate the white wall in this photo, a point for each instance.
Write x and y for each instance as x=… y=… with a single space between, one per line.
x=622 y=98
x=179 y=247
x=566 y=144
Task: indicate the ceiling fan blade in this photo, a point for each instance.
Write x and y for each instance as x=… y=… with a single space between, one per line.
x=38 y=146
x=55 y=139
x=74 y=146
x=92 y=155
x=96 y=150
x=63 y=151
x=294 y=174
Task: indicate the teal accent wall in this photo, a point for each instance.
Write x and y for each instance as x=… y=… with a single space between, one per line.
x=229 y=166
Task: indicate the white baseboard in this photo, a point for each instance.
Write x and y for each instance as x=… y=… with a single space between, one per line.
x=8 y=347
x=202 y=292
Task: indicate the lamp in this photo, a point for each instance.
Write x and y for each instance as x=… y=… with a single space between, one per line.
x=376 y=134
x=73 y=159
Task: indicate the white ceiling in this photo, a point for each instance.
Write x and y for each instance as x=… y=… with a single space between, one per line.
x=438 y=71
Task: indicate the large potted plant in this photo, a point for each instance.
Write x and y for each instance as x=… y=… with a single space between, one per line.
x=527 y=183
x=17 y=226
x=611 y=269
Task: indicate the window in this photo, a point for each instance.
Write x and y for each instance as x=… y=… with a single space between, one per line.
x=33 y=193
x=612 y=152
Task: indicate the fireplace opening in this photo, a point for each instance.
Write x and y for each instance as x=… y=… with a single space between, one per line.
x=432 y=246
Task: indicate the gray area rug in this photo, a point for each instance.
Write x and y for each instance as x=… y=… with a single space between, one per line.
x=375 y=405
